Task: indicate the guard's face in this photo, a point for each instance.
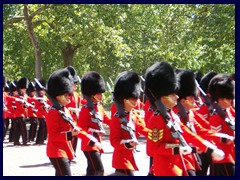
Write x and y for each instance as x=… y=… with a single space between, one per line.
x=225 y=102
x=63 y=99
x=129 y=103
x=23 y=91
x=188 y=102
x=97 y=97
x=75 y=87
x=170 y=101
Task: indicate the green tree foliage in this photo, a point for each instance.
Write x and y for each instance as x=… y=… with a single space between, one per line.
x=113 y=38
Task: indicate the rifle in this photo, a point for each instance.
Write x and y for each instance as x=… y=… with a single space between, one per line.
x=111 y=81
x=219 y=110
x=128 y=124
x=79 y=79
x=185 y=118
x=176 y=129
x=24 y=102
x=43 y=101
x=95 y=116
x=55 y=103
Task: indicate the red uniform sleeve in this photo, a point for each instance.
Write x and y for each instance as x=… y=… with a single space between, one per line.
x=140 y=125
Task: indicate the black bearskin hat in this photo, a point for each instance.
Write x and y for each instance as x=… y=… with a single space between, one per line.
x=59 y=83
x=22 y=83
x=92 y=83
x=43 y=85
x=206 y=79
x=221 y=86
x=31 y=87
x=187 y=84
x=13 y=86
x=73 y=73
x=127 y=86
x=160 y=80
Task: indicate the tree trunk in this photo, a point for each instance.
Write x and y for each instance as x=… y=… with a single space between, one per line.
x=68 y=53
x=34 y=40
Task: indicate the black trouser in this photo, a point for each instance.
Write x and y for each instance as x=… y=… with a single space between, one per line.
x=42 y=129
x=62 y=166
x=74 y=143
x=5 y=125
x=33 y=129
x=4 y=130
x=150 y=172
x=223 y=169
x=206 y=162
x=191 y=173
x=13 y=129
x=21 y=130
x=124 y=172
x=95 y=166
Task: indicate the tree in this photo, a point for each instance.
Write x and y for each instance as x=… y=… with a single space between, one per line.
x=112 y=38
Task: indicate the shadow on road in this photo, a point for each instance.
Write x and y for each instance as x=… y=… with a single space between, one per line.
x=36 y=165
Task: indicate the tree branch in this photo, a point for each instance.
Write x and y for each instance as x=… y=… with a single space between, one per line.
x=39 y=11
x=15 y=19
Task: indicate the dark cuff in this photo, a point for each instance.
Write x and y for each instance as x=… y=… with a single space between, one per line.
x=209 y=151
x=92 y=141
x=69 y=135
x=224 y=140
x=194 y=149
x=176 y=150
x=128 y=146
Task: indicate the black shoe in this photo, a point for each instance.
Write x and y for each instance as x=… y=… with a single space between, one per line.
x=26 y=144
x=17 y=144
x=74 y=161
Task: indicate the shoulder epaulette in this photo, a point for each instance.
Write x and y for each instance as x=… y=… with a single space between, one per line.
x=214 y=112
x=116 y=114
x=52 y=108
x=156 y=113
x=85 y=106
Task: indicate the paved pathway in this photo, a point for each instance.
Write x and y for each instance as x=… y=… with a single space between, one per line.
x=32 y=160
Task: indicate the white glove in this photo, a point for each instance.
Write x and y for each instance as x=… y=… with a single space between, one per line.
x=217 y=154
x=185 y=150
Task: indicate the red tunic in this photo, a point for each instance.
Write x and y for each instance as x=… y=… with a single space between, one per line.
x=58 y=146
x=20 y=108
x=165 y=162
x=76 y=102
x=217 y=124
x=190 y=159
x=148 y=111
x=87 y=125
x=41 y=110
x=122 y=156
x=11 y=106
x=204 y=111
x=32 y=112
x=6 y=111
